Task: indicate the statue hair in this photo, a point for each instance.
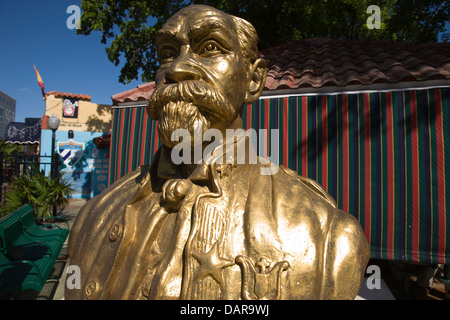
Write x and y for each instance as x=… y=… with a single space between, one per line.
x=248 y=39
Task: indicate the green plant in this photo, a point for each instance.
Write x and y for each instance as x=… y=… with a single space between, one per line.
x=10 y=148
x=39 y=191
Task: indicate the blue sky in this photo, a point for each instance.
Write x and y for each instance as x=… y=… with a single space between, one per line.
x=35 y=32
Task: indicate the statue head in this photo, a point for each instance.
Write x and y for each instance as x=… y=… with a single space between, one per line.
x=209 y=68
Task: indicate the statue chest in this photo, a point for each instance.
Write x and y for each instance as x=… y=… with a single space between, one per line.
x=225 y=257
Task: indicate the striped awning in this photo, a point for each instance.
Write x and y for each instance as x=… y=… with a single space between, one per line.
x=134 y=140
x=381 y=155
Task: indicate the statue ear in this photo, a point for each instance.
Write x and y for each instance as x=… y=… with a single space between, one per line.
x=257 y=80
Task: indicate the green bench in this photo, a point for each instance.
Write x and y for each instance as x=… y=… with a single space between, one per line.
x=42 y=231
x=28 y=250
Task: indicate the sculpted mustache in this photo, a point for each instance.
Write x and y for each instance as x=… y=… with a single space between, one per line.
x=200 y=93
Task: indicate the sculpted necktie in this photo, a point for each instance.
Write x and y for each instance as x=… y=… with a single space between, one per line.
x=174 y=276
x=177 y=194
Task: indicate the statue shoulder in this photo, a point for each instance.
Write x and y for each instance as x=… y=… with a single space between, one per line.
x=133 y=177
x=310 y=184
x=112 y=201
x=125 y=187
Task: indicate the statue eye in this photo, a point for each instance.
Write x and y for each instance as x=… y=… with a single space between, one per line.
x=211 y=48
x=167 y=55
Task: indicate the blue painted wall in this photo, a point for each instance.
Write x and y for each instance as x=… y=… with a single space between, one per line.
x=89 y=176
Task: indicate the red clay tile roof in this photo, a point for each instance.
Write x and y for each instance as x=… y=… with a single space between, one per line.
x=69 y=95
x=140 y=93
x=322 y=62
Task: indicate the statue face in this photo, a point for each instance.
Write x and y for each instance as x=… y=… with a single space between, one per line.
x=203 y=78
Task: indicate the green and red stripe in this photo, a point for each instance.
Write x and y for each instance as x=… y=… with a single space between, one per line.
x=384 y=157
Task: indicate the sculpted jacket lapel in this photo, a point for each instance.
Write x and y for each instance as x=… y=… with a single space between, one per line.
x=143 y=218
x=139 y=256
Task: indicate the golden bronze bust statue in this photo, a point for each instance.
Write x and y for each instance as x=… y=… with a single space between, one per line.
x=213 y=229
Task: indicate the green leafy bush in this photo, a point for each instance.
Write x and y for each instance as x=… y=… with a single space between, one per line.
x=39 y=191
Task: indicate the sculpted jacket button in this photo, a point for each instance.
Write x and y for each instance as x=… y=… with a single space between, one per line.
x=116 y=231
x=91 y=289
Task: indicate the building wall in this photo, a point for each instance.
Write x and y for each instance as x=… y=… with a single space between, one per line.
x=7 y=112
x=91 y=117
x=383 y=156
x=89 y=176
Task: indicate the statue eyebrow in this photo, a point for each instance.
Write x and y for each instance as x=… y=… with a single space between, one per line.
x=204 y=28
x=164 y=35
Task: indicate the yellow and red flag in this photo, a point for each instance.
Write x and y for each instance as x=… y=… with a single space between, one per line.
x=39 y=80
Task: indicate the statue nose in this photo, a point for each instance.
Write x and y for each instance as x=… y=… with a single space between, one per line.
x=179 y=71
